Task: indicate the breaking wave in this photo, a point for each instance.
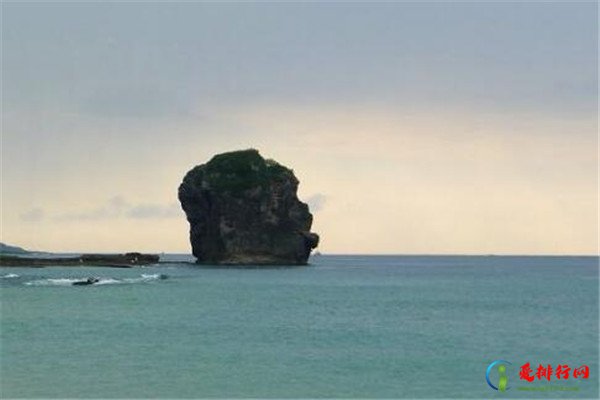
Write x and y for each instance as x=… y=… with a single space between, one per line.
x=9 y=276
x=144 y=278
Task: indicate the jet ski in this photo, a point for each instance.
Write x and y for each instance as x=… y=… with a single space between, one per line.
x=88 y=281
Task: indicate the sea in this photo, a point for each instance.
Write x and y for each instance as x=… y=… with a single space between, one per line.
x=341 y=327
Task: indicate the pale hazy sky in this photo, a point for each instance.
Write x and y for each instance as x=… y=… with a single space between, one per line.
x=413 y=127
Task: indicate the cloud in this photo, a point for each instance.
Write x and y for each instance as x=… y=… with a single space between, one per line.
x=144 y=211
x=131 y=101
x=316 y=202
x=113 y=208
x=118 y=207
x=33 y=215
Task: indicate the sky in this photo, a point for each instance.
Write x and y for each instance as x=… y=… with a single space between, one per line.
x=414 y=128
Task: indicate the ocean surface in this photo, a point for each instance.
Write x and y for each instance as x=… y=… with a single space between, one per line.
x=342 y=327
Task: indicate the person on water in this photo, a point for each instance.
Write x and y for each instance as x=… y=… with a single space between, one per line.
x=88 y=281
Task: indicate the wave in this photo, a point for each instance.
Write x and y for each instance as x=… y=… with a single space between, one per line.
x=52 y=282
x=9 y=276
x=144 y=278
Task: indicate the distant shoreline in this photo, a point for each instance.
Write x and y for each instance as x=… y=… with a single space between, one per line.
x=131 y=260
x=127 y=260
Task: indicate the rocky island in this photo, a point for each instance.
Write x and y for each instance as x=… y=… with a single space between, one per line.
x=244 y=210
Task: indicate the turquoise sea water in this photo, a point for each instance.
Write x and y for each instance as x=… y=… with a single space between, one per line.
x=345 y=326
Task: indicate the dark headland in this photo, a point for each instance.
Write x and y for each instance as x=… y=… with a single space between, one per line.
x=126 y=260
x=244 y=210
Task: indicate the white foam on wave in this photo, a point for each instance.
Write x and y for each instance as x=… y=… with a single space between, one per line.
x=108 y=281
x=52 y=282
x=9 y=276
x=103 y=281
x=143 y=278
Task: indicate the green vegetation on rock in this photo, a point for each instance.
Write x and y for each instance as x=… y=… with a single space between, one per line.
x=237 y=171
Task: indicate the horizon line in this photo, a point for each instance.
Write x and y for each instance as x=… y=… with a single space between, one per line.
x=320 y=254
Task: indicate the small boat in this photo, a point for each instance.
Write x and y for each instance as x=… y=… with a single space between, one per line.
x=88 y=281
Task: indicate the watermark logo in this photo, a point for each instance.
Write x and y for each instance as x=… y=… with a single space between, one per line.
x=562 y=371
x=502 y=375
x=528 y=374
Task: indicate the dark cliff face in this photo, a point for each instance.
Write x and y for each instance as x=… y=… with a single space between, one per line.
x=243 y=209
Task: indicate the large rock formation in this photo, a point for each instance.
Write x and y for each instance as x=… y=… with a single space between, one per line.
x=243 y=209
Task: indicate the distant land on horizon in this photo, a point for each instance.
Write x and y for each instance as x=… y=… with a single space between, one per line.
x=5 y=248
x=16 y=250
